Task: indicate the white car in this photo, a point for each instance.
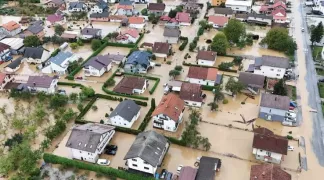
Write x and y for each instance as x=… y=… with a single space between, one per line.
x=302 y=29
x=179 y=168
x=104 y=162
x=290 y=119
x=291 y=115
x=290 y=148
x=291 y=111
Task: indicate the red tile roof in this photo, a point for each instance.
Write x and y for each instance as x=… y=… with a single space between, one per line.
x=136 y=20
x=279 y=3
x=171 y=105
x=268 y=172
x=274 y=144
x=219 y=20
x=128 y=84
x=191 y=92
x=183 y=17
x=207 y=55
x=126 y=7
x=161 y=47
x=2 y=77
x=132 y=32
x=11 y=25
x=202 y=73
x=212 y=74
x=54 y=18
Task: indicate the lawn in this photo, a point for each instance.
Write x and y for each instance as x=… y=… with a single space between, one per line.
x=317 y=52
x=292 y=92
x=321 y=89
x=320 y=71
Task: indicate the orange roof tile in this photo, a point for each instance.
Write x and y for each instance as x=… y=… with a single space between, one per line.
x=171 y=105
x=135 y=20
x=212 y=74
x=10 y=26
x=126 y=7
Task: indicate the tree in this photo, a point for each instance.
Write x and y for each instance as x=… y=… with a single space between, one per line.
x=234 y=86
x=110 y=82
x=80 y=107
x=237 y=60
x=219 y=44
x=72 y=66
x=14 y=140
x=59 y=29
x=174 y=73
x=317 y=33
x=95 y=44
x=73 y=97
x=213 y=106
x=278 y=39
x=172 y=13
x=57 y=39
x=225 y=66
x=80 y=42
x=31 y=41
x=178 y=68
x=249 y=39
x=87 y=92
x=280 y=88
x=218 y=95
x=235 y=31
x=159 y=1
x=58 y=100
x=74 y=45
x=144 y=12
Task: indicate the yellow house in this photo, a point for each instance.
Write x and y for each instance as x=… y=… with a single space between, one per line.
x=217 y=2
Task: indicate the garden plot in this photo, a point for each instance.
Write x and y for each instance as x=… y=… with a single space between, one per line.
x=155 y=34
x=115 y=50
x=225 y=79
x=104 y=107
x=106 y=27
x=69 y=89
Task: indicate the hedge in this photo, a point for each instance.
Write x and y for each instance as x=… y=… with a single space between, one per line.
x=184 y=43
x=127 y=130
x=155 y=86
x=208 y=88
x=50 y=158
x=54 y=53
x=147 y=118
x=70 y=84
x=176 y=141
x=140 y=38
x=121 y=45
x=86 y=109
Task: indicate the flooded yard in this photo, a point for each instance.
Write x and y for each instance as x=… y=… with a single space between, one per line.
x=115 y=50
x=155 y=35
x=70 y=89
x=106 y=27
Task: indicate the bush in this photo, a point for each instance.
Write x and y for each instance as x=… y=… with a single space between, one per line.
x=127 y=130
x=144 y=12
x=208 y=88
x=54 y=53
x=178 y=68
x=121 y=45
x=184 y=43
x=155 y=86
x=168 y=62
x=110 y=82
x=225 y=65
x=102 y=121
x=153 y=57
x=289 y=137
x=74 y=45
x=237 y=60
x=225 y=101
x=94 y=107
x=95 y=44
x=147 y=116
x=50 y=158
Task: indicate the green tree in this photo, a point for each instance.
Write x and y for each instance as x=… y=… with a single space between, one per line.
x=72 y=66
x=87 y=92
x=172 y=13
x=58 y=100
x=73 y=97
x=178 y=68
x=218 y=95
x=280 y=88
x=80 y=107
x=237 y=60
x=80 y=42
x=213 y=106
x=31 y=41
x=14 y=140
x=219 y=44
x=159 y=1
x=225 y=66
x=278 y=39
x=95 y=44
x=74 y=45
x=144 y=12
x=110 y=82
x=174 y=73
x=234 y=86
x=249 y=39
x=59 y=29
x=235 y=31
x=317 y=33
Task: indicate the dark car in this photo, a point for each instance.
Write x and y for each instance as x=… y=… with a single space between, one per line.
x=321 y=80
x=163 y=173
x=169 y=176
x=110 y=152
x=111 y=147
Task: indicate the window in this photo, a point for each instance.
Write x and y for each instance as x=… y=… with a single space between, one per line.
x=145 y=162
x=146 y=168
x=268 y=153
x=279 y=70
x=134 y=160
x=278 y=74
x=271 y=69
x=124 y=124
x=135 y=165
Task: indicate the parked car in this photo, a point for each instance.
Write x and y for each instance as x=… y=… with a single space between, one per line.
x=110 y=152
x=179 y=168
x=321 y=80
x=163 y=173
x=79 y=77
x=291 y=108
x=290 y=119
x=111 y=146
x=169 y=176
x=104 y=162
x=290 y=148
x=302 y=29
x=291 y=115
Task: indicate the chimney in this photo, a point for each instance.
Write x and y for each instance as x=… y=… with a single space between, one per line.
x=34 y=83
x=263 y=173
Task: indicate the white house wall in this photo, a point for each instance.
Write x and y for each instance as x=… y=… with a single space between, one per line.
x=137 y=26
x=201 y=81
x=139 y=164
x=171 y=40
x=271 y=72
x=205 y=62
x=267 y=156
x=193 y=103
x=119 y=121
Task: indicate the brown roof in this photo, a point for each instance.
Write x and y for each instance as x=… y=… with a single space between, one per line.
x=263 y=131
x=275 y=101
x=11 y=25
x=117 y=17
x=212 y=74
x=40 y=81
x=191 y=92
x=207 y=55
x=250 y=79
x=156 y=7
x=268 y=172
x=3 y=47
x=202 y=73
x=128 y=84
x=219 y=20
x=187 y=173
x=171 y=105
x=161 y=47
x=270 y=143
x=135 y=20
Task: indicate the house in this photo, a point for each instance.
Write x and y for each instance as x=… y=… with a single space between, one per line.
x=226 y=12
x=136 y=22
x=261 y=19
x=161 y=49
x=202 y=75
x=208 y=166
x=252 y=82
x=16 y=45
x=183 y=18
x=90 y=33
x=191 y=7
x=101 y=17
x=280 y=16
x=117 y=18
x=4 y=80
x=274 y=107
x=171 y=35
x=138 y=62
x=206 y=58
x=125 y=114
x=70 y=36
x=318 y=8
x=187 y=173
x=141 y=1
x=156 y=8
x=55 y=19
x=239 y=5
x=271 y=66
x=14 y=65
x=131 y=85
x=25 y=20
x=269 y=148
x=168 y=114
x=217 y=2
x=56 y=4
x=35 y=28
x=268 y=172
x=4 y=51
x=125 y=8
x=77 y=6
x=218 y=21
x=97 y=66
x=36 y=54
x=89 y=140
x=128 y=36
x=100 y=7
x=45 y=84
x=59 y=64
x=241 y=17
x=191 y=94
x=147 y=152
x=116 y=58
x=10 y=29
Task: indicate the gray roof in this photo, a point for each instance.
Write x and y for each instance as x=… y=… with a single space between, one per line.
x=60 y=57
x=262 y=16
x=219 y=10
x=86 y=137
x=98 y=62
x=102 y=4
x=104 y=14
x=125 y=2
x=139 y=57
x=219 y=79
x=241 y=16
x=275 y=101
x=127 y=109
x=207 y=170
x=252 y=80
x=76 y=4
x=272 y=61
x=40 y=81
x=36 y=27
x=34 y=52
x=90 y=31
x=57 y=2
x=171 y=32
x=148 y=146
x=15 y=63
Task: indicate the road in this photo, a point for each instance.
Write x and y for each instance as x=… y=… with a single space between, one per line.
x=313 y=123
